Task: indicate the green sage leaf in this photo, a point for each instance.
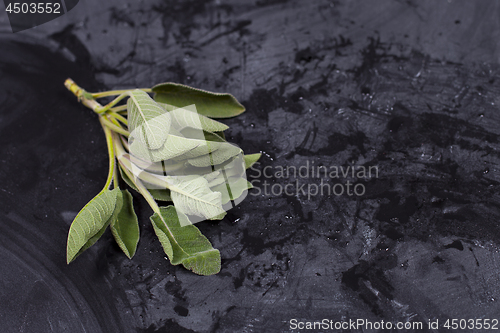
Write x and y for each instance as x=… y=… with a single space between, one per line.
x=125 y=227
x=207 y=103
x=147 y=121
x=185 y=244
x=91 y=222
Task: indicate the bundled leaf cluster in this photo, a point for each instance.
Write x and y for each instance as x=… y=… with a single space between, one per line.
x=168 y=149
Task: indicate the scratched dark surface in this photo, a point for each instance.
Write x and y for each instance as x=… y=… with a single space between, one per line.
x=408 y=86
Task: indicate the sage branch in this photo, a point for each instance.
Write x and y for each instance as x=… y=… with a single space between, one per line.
x=164 y=144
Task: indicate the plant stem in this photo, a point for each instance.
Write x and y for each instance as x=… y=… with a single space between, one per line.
x=84 y=97
x=127 y=162
x=113 y=120
x=119 y=117
x=113 y=127
x=119 y=108
x=115 y=177
x=111 y=153
x=103 y=109
x=88 y=100
x=142 y=189
x=125 y=144
x=117 y=92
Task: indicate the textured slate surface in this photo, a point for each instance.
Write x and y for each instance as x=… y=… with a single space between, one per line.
x=409 y=87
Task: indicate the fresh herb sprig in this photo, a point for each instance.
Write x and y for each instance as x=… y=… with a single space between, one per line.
x=167 y=151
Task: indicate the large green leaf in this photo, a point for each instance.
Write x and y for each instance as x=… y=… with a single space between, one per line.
x=147 y=121
x=91 y=222
x=192 y=196
x=125 y=227
x=207 y=103
x=185 y=244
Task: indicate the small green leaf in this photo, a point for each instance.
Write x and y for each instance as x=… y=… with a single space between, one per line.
x=209 y=104
x=185 y=244
x=125 y=227
x=251 y=159
x=148 y=122
x=91 y=222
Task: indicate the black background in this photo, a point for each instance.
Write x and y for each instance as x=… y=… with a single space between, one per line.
x=408 y=86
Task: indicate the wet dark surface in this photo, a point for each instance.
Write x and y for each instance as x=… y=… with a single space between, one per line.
x=409 y=87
